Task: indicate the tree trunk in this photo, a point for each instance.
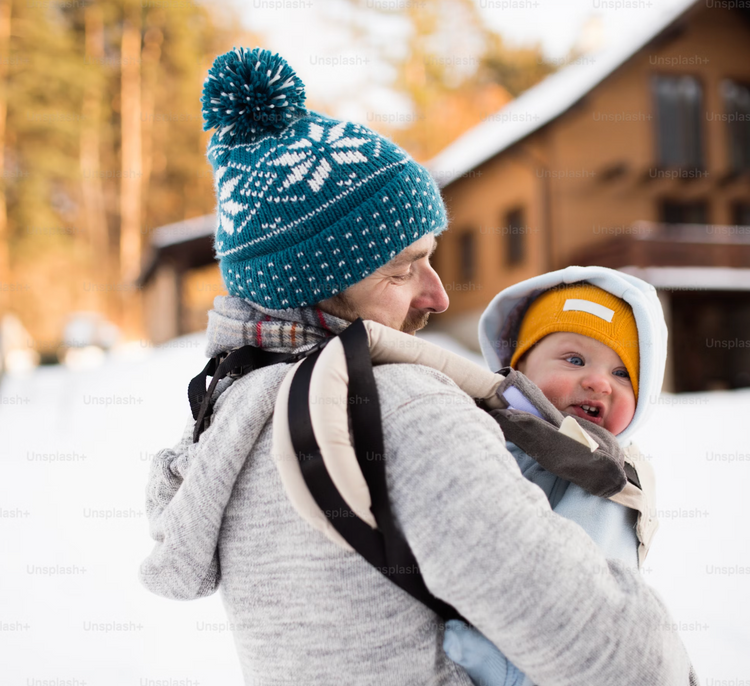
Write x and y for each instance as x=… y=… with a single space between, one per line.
x=5 y=275
x=95 y=216
x=151 y=55
x=131 y=169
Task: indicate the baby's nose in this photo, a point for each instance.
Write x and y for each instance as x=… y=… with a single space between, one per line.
x=596 y=382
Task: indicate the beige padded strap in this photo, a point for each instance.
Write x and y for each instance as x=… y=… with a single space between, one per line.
x=329 y=398
x=329 y=388
x=289 y=469
x=388 y=345
x=643 y=500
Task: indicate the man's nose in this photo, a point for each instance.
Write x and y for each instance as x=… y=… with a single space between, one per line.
x=432 y=295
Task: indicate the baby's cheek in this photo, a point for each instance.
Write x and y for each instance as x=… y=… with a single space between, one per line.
x=620 y=415
x=558 y=392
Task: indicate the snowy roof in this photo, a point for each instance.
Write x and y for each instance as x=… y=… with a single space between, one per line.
x=542 y=103
x=184 y=237
x=187 y=230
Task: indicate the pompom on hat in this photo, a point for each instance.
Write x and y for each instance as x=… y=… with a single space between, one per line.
x=587 y=310
x=306 y=205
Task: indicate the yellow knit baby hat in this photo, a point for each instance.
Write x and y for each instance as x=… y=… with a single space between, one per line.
x=586 y=310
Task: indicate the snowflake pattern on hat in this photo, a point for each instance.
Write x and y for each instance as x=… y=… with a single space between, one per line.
x=312 y=158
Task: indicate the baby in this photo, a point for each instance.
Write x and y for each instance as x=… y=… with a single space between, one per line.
x=582 y=346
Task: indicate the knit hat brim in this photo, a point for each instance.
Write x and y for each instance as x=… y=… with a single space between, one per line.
x=547 y=314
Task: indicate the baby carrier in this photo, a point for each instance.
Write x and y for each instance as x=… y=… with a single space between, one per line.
x=329 y=450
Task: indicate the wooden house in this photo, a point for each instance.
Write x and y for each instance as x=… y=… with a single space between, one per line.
x=636 y=159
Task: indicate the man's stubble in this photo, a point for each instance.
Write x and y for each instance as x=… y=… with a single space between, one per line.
x=340 y=306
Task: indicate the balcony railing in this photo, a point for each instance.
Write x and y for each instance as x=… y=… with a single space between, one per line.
x=691 y=233
x=651 y=244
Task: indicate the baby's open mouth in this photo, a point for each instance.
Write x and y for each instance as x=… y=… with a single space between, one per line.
x=589 y=410
x=592 y=412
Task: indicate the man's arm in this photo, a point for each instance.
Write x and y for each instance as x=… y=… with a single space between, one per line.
x=487 y=542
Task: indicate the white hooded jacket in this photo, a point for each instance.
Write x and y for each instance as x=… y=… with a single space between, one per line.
x=608 y=523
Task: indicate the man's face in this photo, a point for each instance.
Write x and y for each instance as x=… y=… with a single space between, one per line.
x=401 y=294
x=573 y=371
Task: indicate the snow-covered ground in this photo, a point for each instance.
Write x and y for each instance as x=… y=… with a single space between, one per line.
x=76 y=447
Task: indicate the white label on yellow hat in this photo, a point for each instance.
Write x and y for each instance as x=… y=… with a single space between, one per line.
x=591 y=307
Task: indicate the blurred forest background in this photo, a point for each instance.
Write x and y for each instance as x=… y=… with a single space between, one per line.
x=101 y=129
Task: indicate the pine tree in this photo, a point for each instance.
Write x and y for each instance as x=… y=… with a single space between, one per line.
x=101 y=146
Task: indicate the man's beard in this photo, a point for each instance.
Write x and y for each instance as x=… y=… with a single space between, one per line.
x=415 y=322
x=341 y=306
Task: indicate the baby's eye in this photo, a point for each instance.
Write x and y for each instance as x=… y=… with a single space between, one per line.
x=623 y=373
x=575 y=359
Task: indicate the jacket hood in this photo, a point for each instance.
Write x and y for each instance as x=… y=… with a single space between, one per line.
x=190 y=484
x=499 y=324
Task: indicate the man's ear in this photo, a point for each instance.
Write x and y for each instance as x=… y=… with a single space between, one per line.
x=339 y=305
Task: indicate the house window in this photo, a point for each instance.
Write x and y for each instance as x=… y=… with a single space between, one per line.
x=515 y=243
x=679 y=109
x=675 y=212
x=467 y=256
x=737 y=108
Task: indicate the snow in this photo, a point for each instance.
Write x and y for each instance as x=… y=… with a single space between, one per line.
x=542 y=103
x=87 y=619
x=97 y=626
x=700 y=561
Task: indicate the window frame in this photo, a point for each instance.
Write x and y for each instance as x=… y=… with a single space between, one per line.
x=700 y=163
x=731 y=127
x=514 y=258
x=467 y=254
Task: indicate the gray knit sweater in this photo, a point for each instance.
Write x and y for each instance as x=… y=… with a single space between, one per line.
x=304 y=611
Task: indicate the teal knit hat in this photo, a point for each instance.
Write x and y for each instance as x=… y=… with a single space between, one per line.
x=306 y=205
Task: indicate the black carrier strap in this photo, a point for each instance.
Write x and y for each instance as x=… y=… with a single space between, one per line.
x=385 y=548
x=235 y=363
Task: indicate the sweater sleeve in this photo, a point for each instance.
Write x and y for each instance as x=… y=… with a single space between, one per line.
x=488 y=543
x=179 y=566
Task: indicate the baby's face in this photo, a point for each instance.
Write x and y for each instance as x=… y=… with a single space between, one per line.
x=575 y=371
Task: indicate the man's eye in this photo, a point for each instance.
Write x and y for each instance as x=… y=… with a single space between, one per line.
x=402 y=277
x=575 y=359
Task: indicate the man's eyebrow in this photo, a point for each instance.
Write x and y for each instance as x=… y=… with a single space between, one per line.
x=408 y=256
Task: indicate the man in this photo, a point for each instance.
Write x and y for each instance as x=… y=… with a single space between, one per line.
x=322 y=221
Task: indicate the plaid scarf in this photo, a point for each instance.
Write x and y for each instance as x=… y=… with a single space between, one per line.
x=235 y=322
